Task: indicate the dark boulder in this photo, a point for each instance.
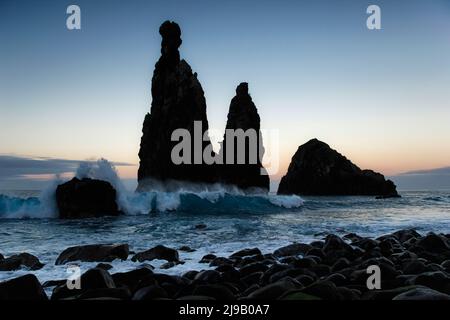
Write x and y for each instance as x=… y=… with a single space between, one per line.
x=26 y=287
x=208 y=258
x=86 y=198
x=316 y=169
x=422 y=294
x=433 y=243
x=208 y=276
x=216 y=291
x=93 y=279
x=150 y=293
x=292 y=250
x=159 y=252
x=94 y=253
x=186 y=249
x=249 y=172
x=132 y=278
x=274 y=290
x=246 y=252
x=18 y=261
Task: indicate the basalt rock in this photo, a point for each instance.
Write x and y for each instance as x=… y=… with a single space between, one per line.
x=26 y=287
x=178 y=101
x=18 y=261
x=94 y=253
x=316 y=169
x=159 y=252
x=86 y=198
x=246 y=170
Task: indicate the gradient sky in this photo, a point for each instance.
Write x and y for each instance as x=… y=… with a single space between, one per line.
x=382 y=98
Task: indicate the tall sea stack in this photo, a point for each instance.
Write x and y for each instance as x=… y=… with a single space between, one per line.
x=244 y=115
x=178 y=101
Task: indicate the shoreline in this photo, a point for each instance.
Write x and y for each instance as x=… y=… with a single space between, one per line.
x=411 y=265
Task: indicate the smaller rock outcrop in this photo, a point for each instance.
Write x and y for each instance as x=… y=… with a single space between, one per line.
x=316 y=169
x=19 y=261
x=94 y=253
x=159 y=252
x=26 y=287
x=246 y=170
x=86 y=198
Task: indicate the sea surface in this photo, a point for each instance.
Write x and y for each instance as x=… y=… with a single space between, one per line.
x=233 y=221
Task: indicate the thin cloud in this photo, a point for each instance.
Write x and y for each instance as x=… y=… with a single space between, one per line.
x=19 y=167
x=437 y=171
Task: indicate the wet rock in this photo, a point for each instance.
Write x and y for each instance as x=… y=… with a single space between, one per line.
x=252 y=278
x=92 y=279
x=106 y=294
x=159 y=252
x=436 y=280
x=446 y=265
x=340 y=264
x=292 y=250
x=86 y=198
x=274 y=290
x=196 y=298
x=414 y=267
x=104 y=266
x=186 y=249
x=405 y=235
x=353 y=237
x=19 y=261
x=366 y=244
x=253 y=267
x=316 y=169
x=216 y=291
x=208 y=258
x=298 y=295
x=326 y=290
x=190 y=274
x=208 y=276
x=53 y=283
x=386 y=294
x=433 y=243
x=337 y=278
x=422 y=294
x=150 y=293
x=246 y=252
x=305 y=280
x=131 y=278
x=168 y=265
x=200 y=226
x=94 y=253
x=336 y=248
x=26 y=287
x=219 y=261
x=304 y=263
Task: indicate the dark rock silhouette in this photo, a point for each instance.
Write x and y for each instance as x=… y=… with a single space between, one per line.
x=178 y=101
x=26 y=287
x=18 y=261
x=316 y=169
x=244 y=115
x=94 y=252
x=86 y=198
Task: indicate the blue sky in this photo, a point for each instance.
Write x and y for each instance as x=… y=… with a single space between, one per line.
x=314 y=70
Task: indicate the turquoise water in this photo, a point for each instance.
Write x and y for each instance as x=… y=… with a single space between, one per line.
x=234 y=221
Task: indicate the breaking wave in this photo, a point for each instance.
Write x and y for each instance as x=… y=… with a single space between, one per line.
x=195 y=199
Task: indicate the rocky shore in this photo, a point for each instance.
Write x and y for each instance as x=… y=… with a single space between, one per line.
x=412 y=267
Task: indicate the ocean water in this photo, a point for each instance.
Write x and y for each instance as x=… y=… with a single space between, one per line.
x=233 y=221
